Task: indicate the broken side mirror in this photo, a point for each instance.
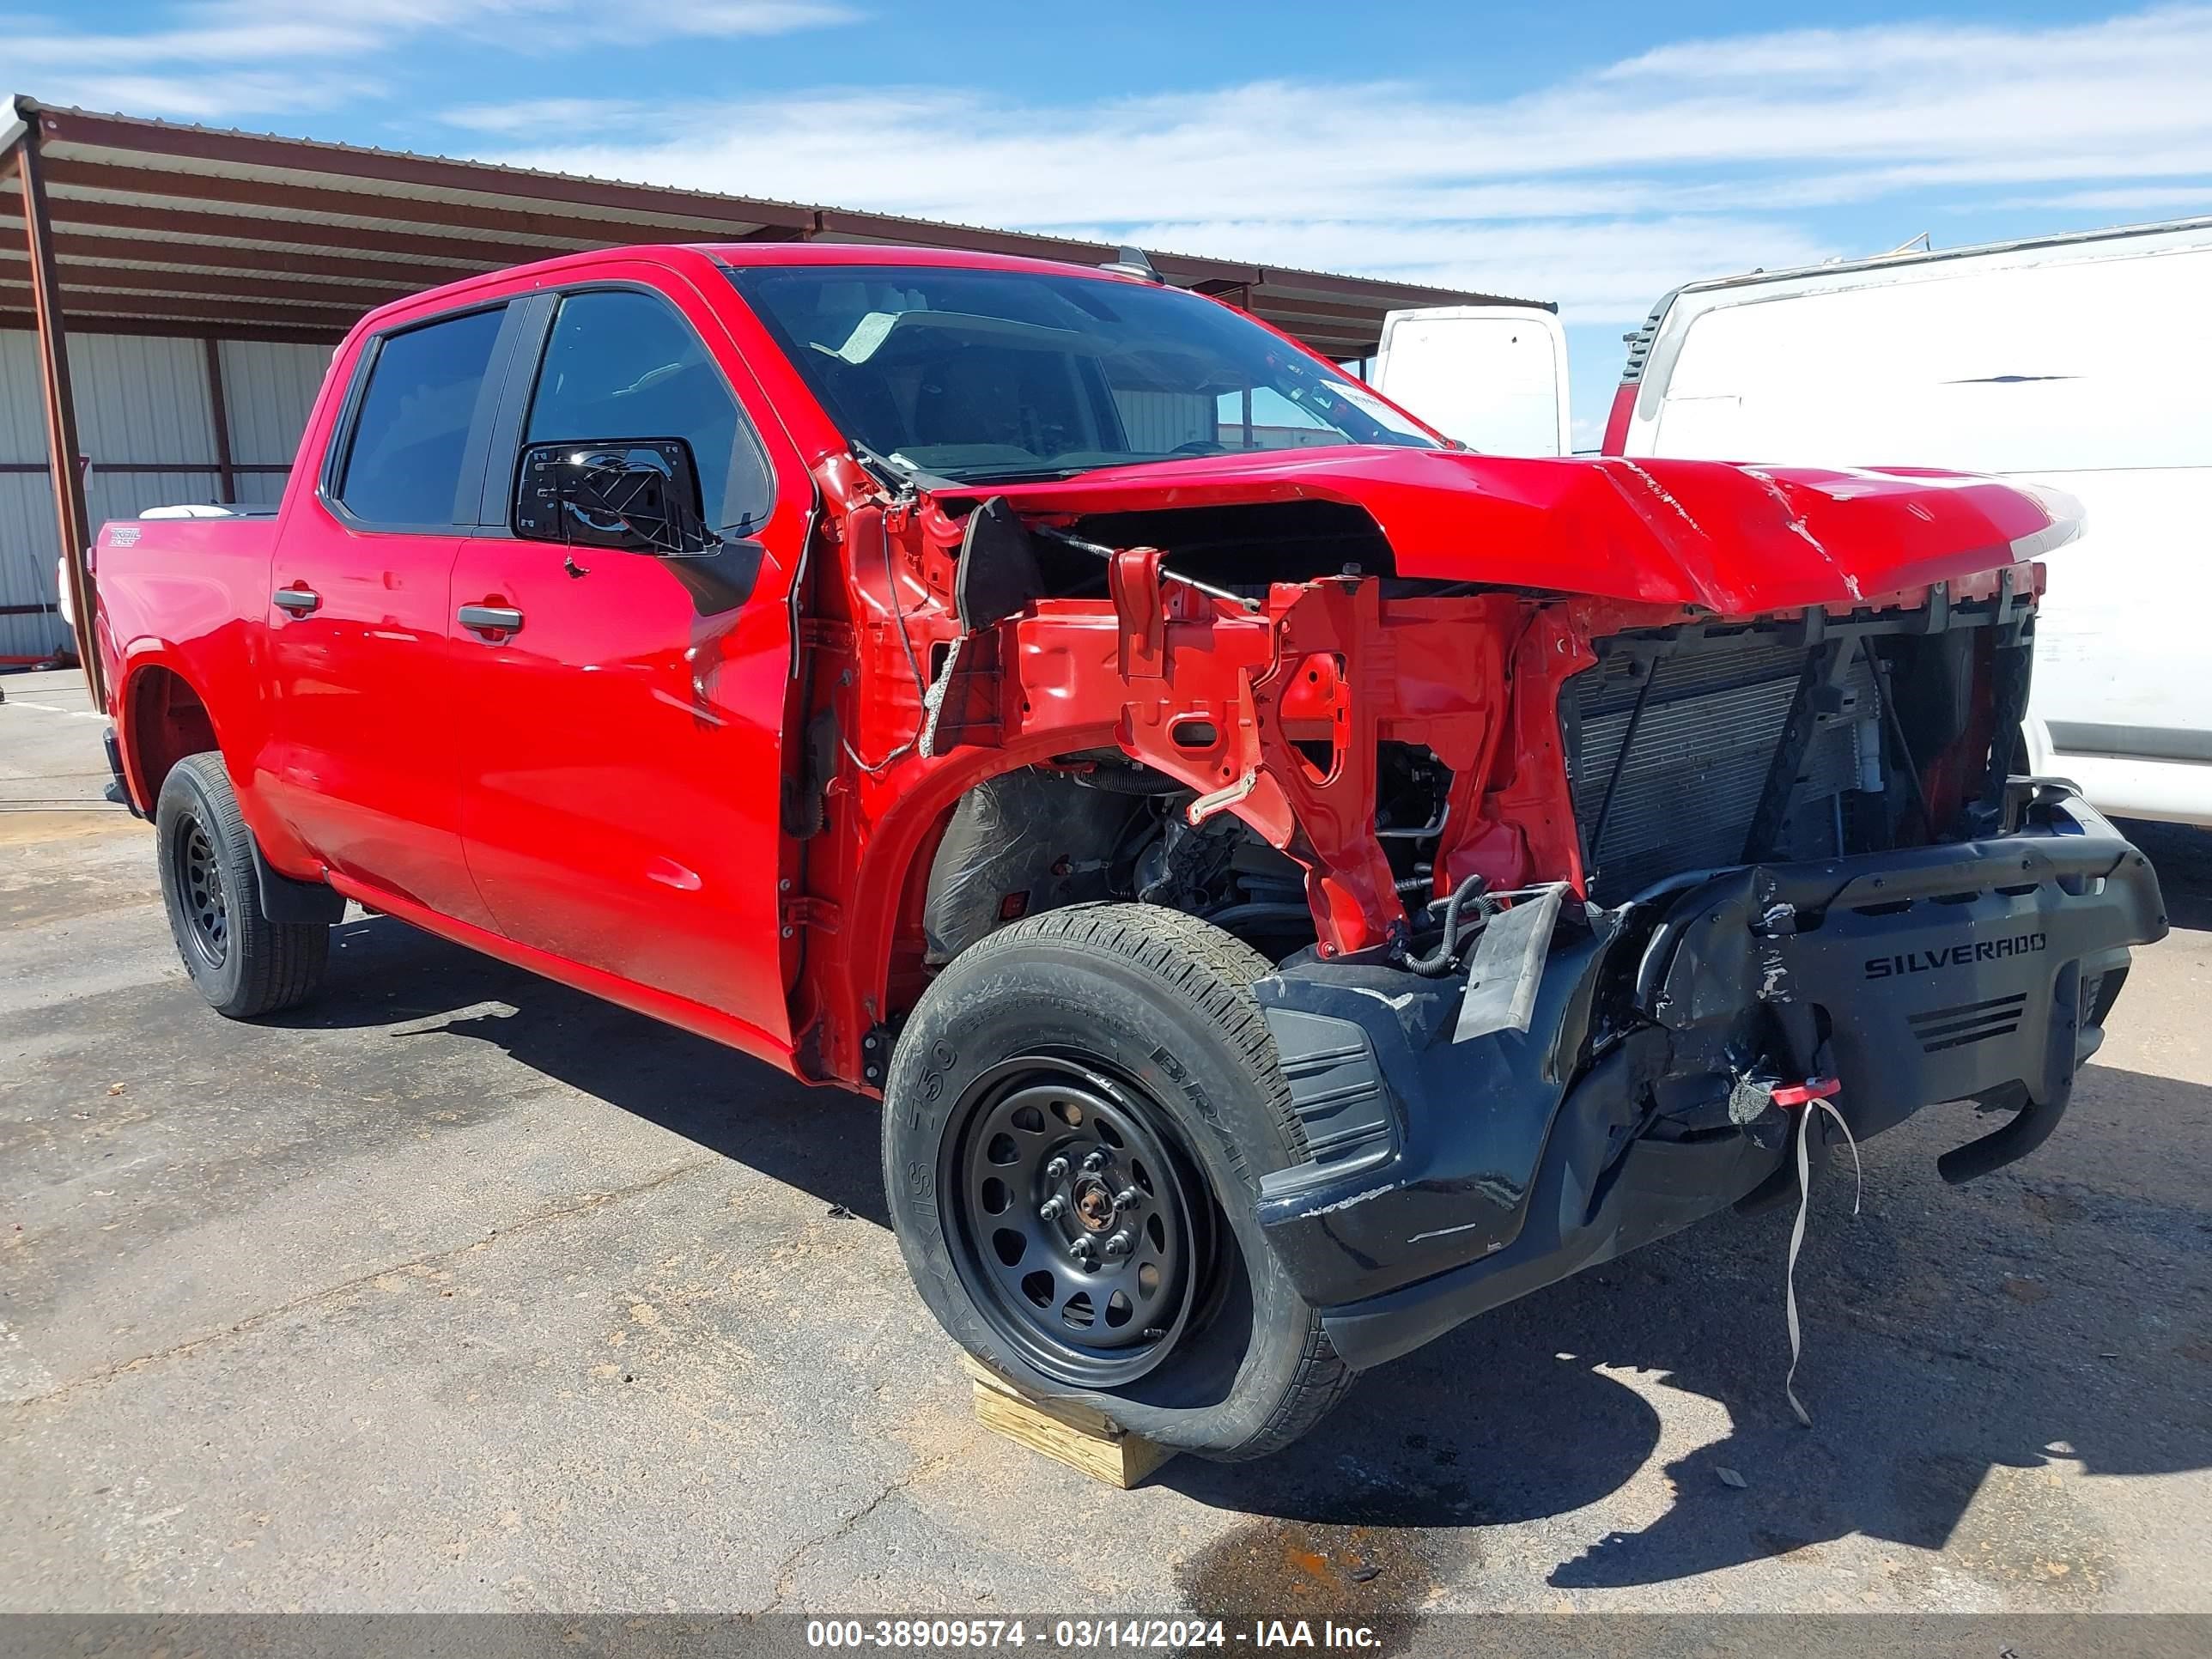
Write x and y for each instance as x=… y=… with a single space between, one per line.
x=638 y=495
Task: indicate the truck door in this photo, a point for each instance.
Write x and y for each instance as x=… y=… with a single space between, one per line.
x=361 y=763
x=623 y=709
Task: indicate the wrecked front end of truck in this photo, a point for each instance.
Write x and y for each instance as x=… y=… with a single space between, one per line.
x=1575 y=898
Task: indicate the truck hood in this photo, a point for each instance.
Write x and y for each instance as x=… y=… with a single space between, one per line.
x=1734 y=540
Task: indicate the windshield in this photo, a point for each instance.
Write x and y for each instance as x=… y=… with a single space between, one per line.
x=980 y=375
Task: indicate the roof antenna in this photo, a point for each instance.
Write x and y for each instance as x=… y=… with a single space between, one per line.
x=1132 y=262
x=1905 y=247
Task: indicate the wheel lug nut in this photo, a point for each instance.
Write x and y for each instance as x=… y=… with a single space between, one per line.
x=1056 y=1171
x=1127 y=1197
x=1095 y=1163
x=1118 y=1245
x=1051 y=1207
x=1080 y=1250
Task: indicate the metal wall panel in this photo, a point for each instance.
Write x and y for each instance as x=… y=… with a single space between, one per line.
x=1156 y=423
x=22 y=410
x=27 y=564
x=141 y=397
x=261 y=488
x=141 y=400
x=126 y=495
x=268 y=389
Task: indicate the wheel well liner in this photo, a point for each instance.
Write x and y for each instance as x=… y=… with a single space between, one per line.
x=164 y=720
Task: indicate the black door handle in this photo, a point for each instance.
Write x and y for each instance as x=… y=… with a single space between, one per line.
x=490 y=618
x=297 y=600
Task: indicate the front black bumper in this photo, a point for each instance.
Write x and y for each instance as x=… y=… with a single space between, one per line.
x=1448 y=1176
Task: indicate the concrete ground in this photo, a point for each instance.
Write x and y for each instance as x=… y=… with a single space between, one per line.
x=460 y=1290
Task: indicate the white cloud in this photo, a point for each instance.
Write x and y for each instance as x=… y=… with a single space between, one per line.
x=210 y=97
x=535 y=115
x=1600 y=190
x=84 y=64
x=1596 y=270
x=2148 y=199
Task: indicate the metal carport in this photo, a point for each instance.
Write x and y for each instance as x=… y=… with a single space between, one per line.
x=178 y=288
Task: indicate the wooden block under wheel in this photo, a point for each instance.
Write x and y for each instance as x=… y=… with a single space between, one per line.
x=1088 y=1442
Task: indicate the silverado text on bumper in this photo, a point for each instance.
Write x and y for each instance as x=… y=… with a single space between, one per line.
x=1451 y=1176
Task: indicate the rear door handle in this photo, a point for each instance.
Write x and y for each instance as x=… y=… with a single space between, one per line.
x=490 y=618
x=297 y=600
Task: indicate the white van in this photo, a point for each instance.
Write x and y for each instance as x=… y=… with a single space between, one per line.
x=2083 y=361
x=1494 y=377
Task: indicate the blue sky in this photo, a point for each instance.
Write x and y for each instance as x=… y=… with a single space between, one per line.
x=1594 y=154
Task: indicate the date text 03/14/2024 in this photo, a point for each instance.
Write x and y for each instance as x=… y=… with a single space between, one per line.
x=1085 y=1634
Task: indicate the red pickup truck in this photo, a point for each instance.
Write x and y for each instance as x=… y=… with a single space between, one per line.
x=1294 y=884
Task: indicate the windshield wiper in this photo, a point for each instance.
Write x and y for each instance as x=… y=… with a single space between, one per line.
x=898 y=473
x=1023 y=474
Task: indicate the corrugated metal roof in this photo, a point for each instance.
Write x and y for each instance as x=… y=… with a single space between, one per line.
x=164 y=226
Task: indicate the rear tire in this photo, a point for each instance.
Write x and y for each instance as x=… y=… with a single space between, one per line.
x=243 y=964
x=1076 y=1122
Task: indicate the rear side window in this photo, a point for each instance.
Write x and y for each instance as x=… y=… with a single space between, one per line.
x=404 y=467
x=625 y=364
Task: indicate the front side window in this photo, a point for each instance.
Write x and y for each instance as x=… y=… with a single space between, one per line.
x=403 y=466
x=621 y=364
x=980 y=375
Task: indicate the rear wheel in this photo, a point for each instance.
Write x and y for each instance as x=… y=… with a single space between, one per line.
x=241 y=961
x=1076 y=1120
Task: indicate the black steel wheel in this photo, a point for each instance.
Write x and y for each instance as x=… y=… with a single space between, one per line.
x=200 y=888
x=240 y=961
x=1073 y=1220
x=1077 y=1119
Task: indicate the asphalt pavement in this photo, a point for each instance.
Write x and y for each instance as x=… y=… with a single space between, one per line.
x=459 y=1291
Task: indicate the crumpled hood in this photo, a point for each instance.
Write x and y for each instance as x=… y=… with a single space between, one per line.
x=1735 y=539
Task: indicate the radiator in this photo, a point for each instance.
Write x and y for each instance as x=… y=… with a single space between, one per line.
x=1704 y=744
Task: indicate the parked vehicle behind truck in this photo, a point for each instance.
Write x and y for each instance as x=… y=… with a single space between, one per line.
x=1492 y=376
x=2074 y=361
x=1290 y=894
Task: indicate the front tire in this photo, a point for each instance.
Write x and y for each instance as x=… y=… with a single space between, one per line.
x=244 y=965
x=1077 y=1119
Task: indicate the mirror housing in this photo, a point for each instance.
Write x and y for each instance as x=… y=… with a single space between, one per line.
x=635 y=495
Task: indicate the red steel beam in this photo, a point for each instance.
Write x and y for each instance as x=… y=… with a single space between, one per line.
x=74 y=246
x=485 y=253
x=89 y=275
x=170 y=328
x=214 y=316
x=219 y=420
x=72 y=515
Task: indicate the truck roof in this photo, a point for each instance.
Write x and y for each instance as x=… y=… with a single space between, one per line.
x=1930 y=256
x=1641 y=341
x=740 y=255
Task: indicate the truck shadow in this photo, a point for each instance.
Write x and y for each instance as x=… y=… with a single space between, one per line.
x=823 y=1141
x=1956 y=1339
